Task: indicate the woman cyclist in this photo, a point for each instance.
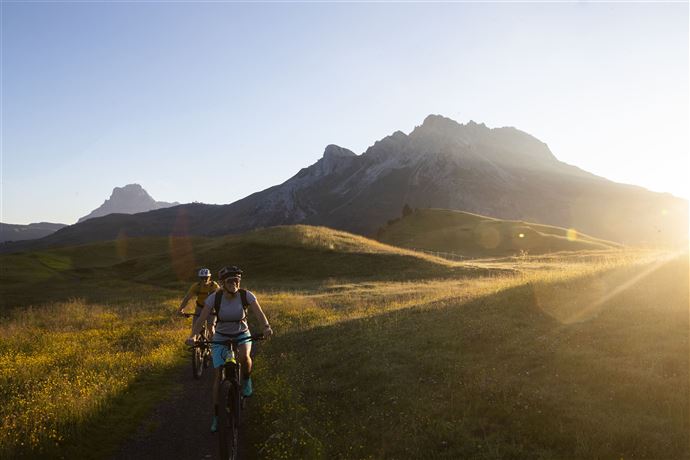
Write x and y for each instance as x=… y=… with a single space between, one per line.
x=231 y=324
x=201 y=289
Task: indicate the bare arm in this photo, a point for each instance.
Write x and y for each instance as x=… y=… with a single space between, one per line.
x=185 y=301
x=256 y=308
x=205 y=312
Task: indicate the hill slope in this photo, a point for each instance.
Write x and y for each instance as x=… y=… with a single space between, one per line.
x=491 y=375
x=17 y=232
x=472 y=235
x=270 y=257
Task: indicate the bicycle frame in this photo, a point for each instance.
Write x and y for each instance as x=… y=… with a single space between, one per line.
x=230 y=397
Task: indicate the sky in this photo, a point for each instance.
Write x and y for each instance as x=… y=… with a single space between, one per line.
x=213 y=101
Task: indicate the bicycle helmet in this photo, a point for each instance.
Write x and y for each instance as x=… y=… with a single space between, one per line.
x=204 y=273
x=229 y=272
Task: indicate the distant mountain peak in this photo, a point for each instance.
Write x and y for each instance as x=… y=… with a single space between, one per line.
x=130 y=189
x=130 y=199
x=333 y=151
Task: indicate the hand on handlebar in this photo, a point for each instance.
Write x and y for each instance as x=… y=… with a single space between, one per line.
x=191 y=341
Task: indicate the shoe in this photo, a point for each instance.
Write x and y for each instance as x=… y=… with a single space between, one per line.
x=214 y=424
x=247 y=387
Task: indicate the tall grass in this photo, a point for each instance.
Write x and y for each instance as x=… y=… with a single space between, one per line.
x=482 y=368
x=521 y=360
x=62 y=366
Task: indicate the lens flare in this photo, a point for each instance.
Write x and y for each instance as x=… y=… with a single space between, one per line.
x=181 y=249
x=571 y=234
x=121 y=245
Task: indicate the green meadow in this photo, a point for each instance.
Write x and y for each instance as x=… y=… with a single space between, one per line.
x=380 y=352
x=473 y=235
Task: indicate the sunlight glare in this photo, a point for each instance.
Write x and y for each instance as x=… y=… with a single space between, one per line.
x=571 y=234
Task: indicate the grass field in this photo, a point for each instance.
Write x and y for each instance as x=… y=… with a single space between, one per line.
x=572 y=355
x=473 y=235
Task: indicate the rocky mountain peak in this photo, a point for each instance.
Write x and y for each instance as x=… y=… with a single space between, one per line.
x=335 y=151
x=440 y=127
x=130 y=199
x=130 y=191
x=333 y=158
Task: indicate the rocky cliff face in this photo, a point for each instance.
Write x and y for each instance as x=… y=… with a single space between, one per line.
x=501 y=172
x=130 y=199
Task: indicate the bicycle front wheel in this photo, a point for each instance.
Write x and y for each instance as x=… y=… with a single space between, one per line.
x=229 y=420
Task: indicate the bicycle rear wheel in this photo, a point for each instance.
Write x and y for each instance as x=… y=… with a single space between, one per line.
x=197 y=362
x=198 y=357
x=229 y=416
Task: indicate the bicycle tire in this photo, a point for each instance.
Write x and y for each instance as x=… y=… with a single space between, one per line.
x=198 y=357
x=207 y=349
x=229 y=417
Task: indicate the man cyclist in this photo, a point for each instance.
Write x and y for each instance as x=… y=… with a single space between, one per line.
x=231 y=324
x=201 y=289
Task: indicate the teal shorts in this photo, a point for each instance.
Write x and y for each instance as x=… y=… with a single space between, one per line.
x=220 y=352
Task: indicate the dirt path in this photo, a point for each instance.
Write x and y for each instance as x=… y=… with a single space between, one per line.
x=179 y=428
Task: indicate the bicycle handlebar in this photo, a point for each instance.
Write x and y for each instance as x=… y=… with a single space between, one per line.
x=252 y=338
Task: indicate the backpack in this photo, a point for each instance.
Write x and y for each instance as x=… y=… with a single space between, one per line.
x=219 y=298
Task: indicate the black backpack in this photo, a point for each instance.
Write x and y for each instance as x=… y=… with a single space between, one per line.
x=219 y=298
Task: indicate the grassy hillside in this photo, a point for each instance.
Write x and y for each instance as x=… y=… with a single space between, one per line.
x=472 y=235
x=573 y=365
x=379 y=352
x=270 y=257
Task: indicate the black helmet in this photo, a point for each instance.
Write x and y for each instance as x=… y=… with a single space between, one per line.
x=229 y=272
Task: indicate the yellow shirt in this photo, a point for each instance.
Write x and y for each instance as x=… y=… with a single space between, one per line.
x=202 y=290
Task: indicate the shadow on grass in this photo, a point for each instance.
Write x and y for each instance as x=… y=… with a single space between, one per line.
x=101 y=432
x=495 y=377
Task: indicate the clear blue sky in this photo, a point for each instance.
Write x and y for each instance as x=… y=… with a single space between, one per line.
x=213 y=101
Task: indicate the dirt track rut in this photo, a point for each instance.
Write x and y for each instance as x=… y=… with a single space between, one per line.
x=179 y=427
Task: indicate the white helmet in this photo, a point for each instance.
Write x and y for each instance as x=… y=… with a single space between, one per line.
x=204 y=273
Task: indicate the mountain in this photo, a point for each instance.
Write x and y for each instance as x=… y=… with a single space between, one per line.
x=17 y=232
x=503 y=173
x=457 y=233
x=130 y=199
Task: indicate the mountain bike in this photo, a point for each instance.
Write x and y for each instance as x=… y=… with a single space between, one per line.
x=201 y=355
x=230 y=398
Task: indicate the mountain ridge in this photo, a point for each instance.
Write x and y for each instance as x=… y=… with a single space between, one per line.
x=503 y=173
x=21 y=232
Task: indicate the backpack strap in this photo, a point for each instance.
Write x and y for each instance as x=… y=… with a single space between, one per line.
x=217 y=299
x=245 y=302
